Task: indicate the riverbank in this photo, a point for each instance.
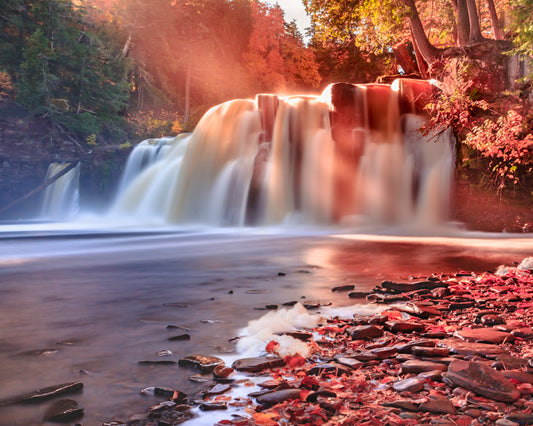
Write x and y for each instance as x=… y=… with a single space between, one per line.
x=445 y=350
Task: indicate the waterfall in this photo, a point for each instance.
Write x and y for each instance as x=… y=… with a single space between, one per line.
x=354 y=154
x=61 y=198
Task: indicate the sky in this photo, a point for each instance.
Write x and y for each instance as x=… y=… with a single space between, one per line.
x=294 y=9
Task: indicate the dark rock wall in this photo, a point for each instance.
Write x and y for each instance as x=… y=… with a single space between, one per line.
x=28 y=146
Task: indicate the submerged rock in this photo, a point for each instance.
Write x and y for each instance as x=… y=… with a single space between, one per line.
x=43 y=394
x=201 y=362
x=63 y=410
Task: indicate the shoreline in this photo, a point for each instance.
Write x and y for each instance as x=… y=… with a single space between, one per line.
x=444 y=350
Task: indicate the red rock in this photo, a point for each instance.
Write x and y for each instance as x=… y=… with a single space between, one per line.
x=256 y=364
x=273 y=398
x=483 y=335
x=201 y=362
x=426 y=351
x=408 y=385
x=523 y=333
x=416 y=366
x=364 y=332
x=470 y=348
x=482 y=380
x=439 y=406
x=404 y=326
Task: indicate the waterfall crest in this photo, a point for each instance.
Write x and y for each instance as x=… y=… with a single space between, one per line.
x=354 y=154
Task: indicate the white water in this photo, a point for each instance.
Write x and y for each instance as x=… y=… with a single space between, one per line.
x=61 y=198
x=275 y=161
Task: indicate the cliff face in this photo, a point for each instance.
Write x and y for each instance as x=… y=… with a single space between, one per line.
x=28 y=145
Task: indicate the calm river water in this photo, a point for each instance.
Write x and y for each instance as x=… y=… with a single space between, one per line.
x=98 y=301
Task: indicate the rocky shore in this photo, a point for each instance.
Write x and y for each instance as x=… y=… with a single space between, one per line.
x=438 y=350
x=444 y=350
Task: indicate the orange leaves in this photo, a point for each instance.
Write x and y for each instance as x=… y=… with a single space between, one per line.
x=294 y=361
x=266 y=419
x=272 y=347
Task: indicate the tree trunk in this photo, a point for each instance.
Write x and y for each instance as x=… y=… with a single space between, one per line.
x=420 y=61
x=187 y=107
x=463 y=23
x=420 y=40
x=494 y=20
x=475 y=28
x=404 y=59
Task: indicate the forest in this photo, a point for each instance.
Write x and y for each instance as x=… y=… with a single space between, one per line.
x=117 y=71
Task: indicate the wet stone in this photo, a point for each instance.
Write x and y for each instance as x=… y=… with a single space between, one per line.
x=63 y=410
x=404 y=326
x=407 y=347
x=506 y=422
x=483 y=335
x=520 y=418
x=438 y=406
x=434 y=375
x=343 y=287
x=470 y=348
x=299 y=335
x=256 y=364
x=430 y=351
x=157 y=362
x=364 y=332
x=45 y=393
x=201 y=362
x=165 y=405
x=364 y=356
x=212 y=406
x=419 y=310
x=217 y=389
x=403 y=404
x=416 y=366
x=492 y=319
x=313 y=396
x=329 y=403
x=519 y=376
x=509 y=362
x=222 y=372
x=408 y=385
x=523 y=333
x=273 y=398
x=383 y=353
x=482 y=380
x=349 y=362
x=180 y=337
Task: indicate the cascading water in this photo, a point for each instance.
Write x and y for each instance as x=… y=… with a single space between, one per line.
x=354 y=155
x=61 y=198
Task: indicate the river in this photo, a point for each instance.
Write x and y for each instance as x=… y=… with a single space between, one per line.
x=87 y=304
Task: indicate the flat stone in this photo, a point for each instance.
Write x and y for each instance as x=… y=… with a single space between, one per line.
x=347 y=287
x=403 y=404
x=43 y=394
x=364 y=356
x=509 y=362
x=383 y=353
x=483 y=335
x=273 y=398
x=201 y=362
x=492 y=319
x=349 y=362
x=329 y=403
x=180 y=337
x=63 y=410
x=438 y=406
x=408 y=385
x=431 y=352
x=407 y=347
x=433 y=375
x=411 y=286
x=518 y=375
x=213 y=406
x=217 y=389
x=419 y=310
x=482 y=380
x=523 y=333
x=404 y=326
x=222 y=372
x=256 y=364
x=299 y=335
x=364 y=332
x=470 y=348
x=520 y=418
x=416 y=366
x=329 y=368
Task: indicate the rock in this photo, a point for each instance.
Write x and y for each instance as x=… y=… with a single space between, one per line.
x=408 y=385
x=416 y=366
x=201 y=362
x=520 y=418
x=403 y=404
x=469 y=348
x=273 y=398
x=349 y=362
x=438 y=406
x=364 y=356
x=519 y=376
x=483 y=335
x=431 y=352
x=492 y=319
x=406 y=287
x=404 y=326
x=217 y=389
x=157 y=362
x=418 y=310
x=364 y=332
x=63 y=410
x=329 y=403
x=509 y=362
x=43 y=394
x=433 y=375
x=256 y=364
x=165 y=405
x=222 y=372
x=212 y=406
x=329 y=368
x=482 y=380
x=383 y=353
x=506 y=422
x=180 y=337
x=299 y=335
x=343 y=287
x=406 y=347
x=523 y=333
x=313 y=396
x=357 y=294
